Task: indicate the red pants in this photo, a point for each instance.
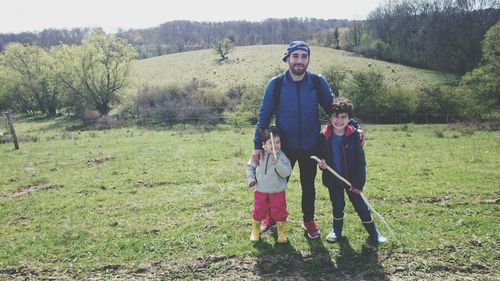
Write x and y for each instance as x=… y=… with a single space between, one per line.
x=269 y=205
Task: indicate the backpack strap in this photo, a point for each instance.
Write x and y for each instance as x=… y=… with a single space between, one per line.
x=319 y=91
x=277 y=90
x=317 y=85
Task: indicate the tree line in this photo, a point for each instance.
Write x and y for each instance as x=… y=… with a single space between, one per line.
x=183 y=35
x=180 y=36
x=442 y=35
x=432 y=34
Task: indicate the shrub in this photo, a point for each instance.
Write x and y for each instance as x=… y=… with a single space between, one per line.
x=464 y=128
x=468 y=128
x=250 y=104
x=197 y=102
x=377 y=49
x=238 y=119
x=441 y=101
x=90 y=117
x=438 y=132
x=109 y=122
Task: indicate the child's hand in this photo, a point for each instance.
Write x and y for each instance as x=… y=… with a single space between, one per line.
x=322 y=165
x=275 y=160
x=355 y=190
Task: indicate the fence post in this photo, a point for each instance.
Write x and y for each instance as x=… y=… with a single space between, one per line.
x=11 y=128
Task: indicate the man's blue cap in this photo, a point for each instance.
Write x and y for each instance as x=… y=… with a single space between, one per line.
x=296 y=45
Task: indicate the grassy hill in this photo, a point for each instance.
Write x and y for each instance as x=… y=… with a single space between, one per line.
x=253 y=65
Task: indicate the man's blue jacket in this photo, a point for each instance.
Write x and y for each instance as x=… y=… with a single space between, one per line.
x=297 y=114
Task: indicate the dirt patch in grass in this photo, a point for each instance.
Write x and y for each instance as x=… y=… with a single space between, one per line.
x=278 y=266
x=426 y=200
x=143 y=184
x=34 y=187
x=95 y=162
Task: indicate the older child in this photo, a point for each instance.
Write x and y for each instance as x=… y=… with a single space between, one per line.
x=340 y=145
x=268 y=180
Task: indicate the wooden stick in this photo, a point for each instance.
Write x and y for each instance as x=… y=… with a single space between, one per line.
x=272 y=144
x=362 y=197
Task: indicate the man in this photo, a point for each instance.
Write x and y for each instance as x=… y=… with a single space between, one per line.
x=297 y=116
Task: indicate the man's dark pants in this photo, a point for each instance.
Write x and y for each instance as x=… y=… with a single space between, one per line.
x=307 y=171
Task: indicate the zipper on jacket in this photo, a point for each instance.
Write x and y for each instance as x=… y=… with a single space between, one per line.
x=345 y=162
x=300 y=112
x=267 y=160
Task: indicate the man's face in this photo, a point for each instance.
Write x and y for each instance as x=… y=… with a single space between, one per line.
x=298 y=62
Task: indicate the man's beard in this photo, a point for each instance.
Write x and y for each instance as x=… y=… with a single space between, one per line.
x=296 y=71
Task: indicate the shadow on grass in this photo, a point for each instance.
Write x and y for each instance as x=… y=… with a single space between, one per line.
x=319 y=264
x=360 y=265
x=283 y=261
x=276 y=261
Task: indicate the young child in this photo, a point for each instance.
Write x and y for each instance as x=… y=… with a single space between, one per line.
x=268 y=180
x=339 y=144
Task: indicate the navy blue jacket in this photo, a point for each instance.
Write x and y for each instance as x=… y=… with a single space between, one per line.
x=352 y=158
x=297 y=115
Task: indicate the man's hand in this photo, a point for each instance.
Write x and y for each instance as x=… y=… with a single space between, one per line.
x=361 y=137
x=256 y=156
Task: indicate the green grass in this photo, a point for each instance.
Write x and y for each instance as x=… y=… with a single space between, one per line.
x=252 y=65
x=172 y=204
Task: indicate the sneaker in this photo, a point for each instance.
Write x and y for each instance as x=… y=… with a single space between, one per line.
x=381 y=238
x=332 y=237
x=311 y=228
x=267 y=225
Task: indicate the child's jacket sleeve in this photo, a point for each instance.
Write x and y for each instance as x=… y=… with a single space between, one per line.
x=251 y=176
x=359 y=177
x=283 y=168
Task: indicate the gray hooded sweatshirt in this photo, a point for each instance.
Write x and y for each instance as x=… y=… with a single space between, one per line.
x=269 y=178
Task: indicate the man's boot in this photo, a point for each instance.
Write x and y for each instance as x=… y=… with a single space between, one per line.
x=281 y=232
x=255 y=236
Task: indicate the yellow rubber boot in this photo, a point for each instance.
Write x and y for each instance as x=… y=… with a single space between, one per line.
x=255 y=236
x=281 y=232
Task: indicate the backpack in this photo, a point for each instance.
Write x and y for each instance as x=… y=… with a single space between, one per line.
x=279 y=81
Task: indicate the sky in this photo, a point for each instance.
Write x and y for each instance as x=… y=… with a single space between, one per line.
x=35 y=15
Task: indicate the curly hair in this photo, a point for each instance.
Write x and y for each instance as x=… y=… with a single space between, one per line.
x=342 y=105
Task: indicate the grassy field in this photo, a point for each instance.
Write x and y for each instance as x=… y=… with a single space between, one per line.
x=163 y=204
x=253 y=65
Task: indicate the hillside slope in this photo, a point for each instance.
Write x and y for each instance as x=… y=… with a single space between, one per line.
x=253 y=65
